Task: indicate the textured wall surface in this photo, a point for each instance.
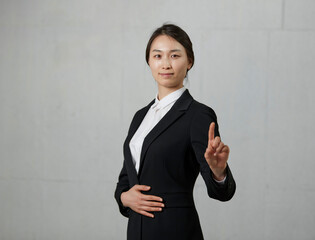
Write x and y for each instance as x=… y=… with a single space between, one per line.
x=72 y=74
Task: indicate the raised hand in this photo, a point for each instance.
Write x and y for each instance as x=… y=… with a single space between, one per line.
x=216 y=154
x=141 y=203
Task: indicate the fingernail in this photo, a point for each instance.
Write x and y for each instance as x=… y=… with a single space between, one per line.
x=162 y=205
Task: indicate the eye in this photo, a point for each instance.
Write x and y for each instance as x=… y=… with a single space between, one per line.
x=175 y=56
x=157 y=56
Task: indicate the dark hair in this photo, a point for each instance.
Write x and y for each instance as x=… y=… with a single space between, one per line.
x=178 y=34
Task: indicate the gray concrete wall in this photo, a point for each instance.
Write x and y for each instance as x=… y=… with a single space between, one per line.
x=70 y=77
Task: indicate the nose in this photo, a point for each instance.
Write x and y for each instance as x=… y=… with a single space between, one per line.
x=166 y=63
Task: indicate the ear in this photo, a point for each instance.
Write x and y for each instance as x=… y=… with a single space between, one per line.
x=189 y=65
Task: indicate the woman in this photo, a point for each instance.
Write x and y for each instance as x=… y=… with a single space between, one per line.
x=169 y=142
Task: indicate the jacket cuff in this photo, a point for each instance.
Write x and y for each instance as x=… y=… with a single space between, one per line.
x=125 y=211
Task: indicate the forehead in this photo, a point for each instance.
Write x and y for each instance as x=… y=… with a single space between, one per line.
x=165 y=43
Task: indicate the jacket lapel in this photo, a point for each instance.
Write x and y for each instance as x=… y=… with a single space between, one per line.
x=139 y=119
x=177 y=110
x=133 y=178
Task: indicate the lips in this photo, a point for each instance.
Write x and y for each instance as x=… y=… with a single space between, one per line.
x=166 y=74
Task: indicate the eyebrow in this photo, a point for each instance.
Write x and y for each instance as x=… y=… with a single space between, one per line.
x=173 y=50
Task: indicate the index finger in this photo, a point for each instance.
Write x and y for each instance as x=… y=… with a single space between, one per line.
x=211 y=131
x=152 y=198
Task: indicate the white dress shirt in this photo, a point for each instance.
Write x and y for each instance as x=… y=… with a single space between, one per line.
x=153 y=116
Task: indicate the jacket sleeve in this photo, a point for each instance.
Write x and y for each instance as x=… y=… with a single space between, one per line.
x=199 y=129
x=122 y=186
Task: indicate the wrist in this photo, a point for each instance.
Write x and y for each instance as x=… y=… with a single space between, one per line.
x=219 y=175
x=219 y=178
x=122 y=198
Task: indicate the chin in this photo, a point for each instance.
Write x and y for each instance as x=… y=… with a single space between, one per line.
x=168 y=83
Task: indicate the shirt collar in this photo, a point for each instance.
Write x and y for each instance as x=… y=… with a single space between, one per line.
x=168 y=99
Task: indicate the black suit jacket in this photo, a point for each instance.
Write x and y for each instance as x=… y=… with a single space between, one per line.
x=171 y=158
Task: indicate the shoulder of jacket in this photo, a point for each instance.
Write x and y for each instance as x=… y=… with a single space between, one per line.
x=140 y=110
x=201 y=107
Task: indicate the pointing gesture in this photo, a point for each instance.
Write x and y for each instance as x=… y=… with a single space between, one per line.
x=216 y=154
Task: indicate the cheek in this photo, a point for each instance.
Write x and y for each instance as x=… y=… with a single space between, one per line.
x=181 y=68
x=153 y=66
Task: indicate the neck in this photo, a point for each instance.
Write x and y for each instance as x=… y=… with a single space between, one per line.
x=163 y=91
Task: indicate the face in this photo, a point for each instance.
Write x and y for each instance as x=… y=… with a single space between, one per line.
x=168 y=62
